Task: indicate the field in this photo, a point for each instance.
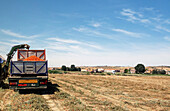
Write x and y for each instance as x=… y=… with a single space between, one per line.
x=76 y=92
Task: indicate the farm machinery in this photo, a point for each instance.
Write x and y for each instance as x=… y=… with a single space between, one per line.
x=30 y=71
x=4 y=68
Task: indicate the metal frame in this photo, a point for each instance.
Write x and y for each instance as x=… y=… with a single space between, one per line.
x=23 y=63
x=18 y=53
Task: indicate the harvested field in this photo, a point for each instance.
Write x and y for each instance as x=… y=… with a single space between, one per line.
x=73 y=92
x=91 y=92
x=14 y=101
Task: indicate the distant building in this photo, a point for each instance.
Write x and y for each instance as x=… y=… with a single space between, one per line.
x=84 y=70
x=149 y=70
x=54 y=68
x=109 y=70
x=117 y=70
x=100 y=70
x=168 y=72
x=50 y=68
x=132 y=71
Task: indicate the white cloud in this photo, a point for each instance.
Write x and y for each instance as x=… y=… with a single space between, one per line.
x=75 y=53
x=162 y=28
x=133 y=34
x=167 y=21
x=65 y=40
x=8 y=32
x=145 y=20
x=20 y=41
x=81 y=29
x=71 y=15
x=94 y=46
x=157 y=19
x=149 y=9
x=96 y=25
x=110 y=58
x=14 y=42
x=6 y=43
x=153 y=18
x=167 y=38
x=67 y=48
x=93 y=33
x=130 y=12
x=5 y=48
x=69 y=41
x=134 y=16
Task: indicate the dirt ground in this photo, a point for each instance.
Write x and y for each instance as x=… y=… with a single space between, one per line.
x=73 y=92
x=108 y=93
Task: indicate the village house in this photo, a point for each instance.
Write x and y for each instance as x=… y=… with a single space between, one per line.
x=109 y=70
x=132 y=71
x=84 y=70
x=50 y=68
x=100 y=70
x=149 y=70
x=168 y=72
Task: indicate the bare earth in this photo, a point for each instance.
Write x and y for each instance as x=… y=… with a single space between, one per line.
x=105 y=93
x=73 y=92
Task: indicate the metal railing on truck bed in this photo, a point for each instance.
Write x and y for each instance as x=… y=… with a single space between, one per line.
x=29 y=67
x=23 y=54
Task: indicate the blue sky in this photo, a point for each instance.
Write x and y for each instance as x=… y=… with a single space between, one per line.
x=89 y=32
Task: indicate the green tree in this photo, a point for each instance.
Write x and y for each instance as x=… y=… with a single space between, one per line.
x=63 y=68
x=97 y=71
x=79 y=69
x=140 y=68
x=73 y=68
x=67 y=69
x=155 y=71
x=126 y=71
x=49 y=71
x=162 y=72
x=129 y=70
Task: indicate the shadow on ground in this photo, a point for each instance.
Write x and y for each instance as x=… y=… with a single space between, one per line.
x=50 y=90
x=4 y=85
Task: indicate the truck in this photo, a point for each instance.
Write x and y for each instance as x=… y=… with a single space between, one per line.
x=30 y=71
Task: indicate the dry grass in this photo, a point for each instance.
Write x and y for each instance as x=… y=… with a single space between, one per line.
x=95 y=92
x=13 y=101
x=118 y=92
x=69 y=102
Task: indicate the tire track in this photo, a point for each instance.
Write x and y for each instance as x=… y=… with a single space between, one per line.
x=75 y=96
x=79 y=82
x=100 y=97
x=53 y=104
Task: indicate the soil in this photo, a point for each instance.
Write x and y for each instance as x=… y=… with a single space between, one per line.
x=123 y=92
x=73 y=92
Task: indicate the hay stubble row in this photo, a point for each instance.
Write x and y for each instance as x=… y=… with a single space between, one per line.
x=107 y=92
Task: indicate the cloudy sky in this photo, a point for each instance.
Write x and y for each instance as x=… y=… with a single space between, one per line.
x=89 y=32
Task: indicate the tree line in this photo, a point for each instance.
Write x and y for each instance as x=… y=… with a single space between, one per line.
x=140 y=69
x=71 y=68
